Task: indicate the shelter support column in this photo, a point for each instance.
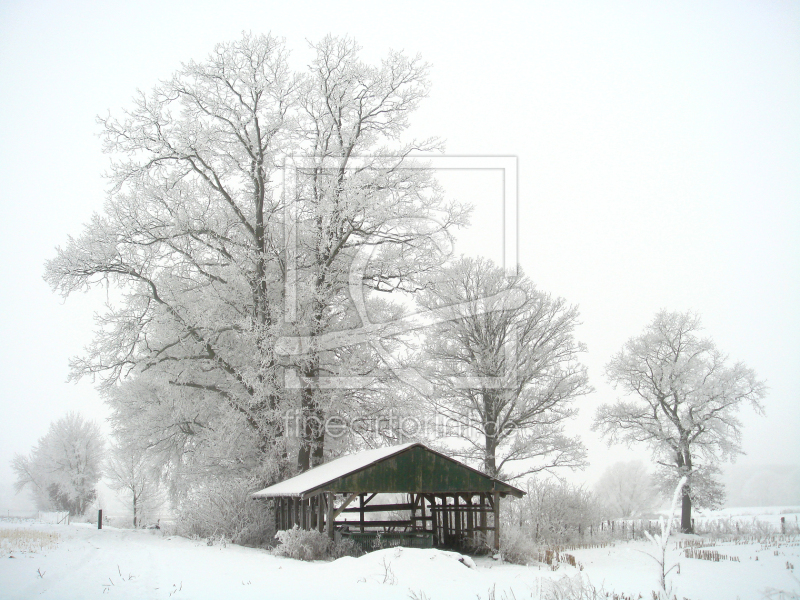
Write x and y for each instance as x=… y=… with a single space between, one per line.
x=329 y=519
x=361 y=512
x=496 y=520
x=320 y=512
x=483 y=504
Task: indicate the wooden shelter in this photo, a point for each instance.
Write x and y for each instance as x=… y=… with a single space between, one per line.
x=446 y=502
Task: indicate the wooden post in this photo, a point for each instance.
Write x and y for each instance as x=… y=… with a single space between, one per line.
x=329 y=520
x=303 y=515
x=100 y=519
x=457 y=517
x=470 y=519
x=445 y=520
x=434 y=519
x=320 y=512
x=496 y=520
x=484 y=506
x=361 y=512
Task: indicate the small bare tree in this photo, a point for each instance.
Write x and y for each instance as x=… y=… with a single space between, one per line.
x=684 y=401
x=131 y=470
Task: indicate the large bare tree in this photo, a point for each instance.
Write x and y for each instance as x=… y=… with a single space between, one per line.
x=683 y=401
x=194 y=240
x=505 y=369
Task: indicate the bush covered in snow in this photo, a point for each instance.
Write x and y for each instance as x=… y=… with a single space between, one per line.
x=312 y=545
x=517 y=546
x=225 y=510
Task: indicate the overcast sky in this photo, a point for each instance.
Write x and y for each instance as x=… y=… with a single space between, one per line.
x=658 y=147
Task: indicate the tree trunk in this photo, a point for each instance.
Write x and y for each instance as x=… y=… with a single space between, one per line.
x=684 y=460
x=490 y=434
x=686 y=511
x=312 y=443
x=489 y=459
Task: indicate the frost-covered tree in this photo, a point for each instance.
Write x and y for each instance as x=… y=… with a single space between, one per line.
x=199 y=234
x=627 y=489
x=683 y=402
x=64 y=467
x=505 y=369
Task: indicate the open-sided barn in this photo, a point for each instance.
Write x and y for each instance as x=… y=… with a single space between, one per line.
x=447 y=503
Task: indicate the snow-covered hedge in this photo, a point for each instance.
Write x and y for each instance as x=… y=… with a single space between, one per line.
x=224 y=510
x=555 y=512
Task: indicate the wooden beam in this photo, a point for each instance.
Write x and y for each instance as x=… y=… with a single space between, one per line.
x=379 y=508
x=347 y=501
x=376 y=523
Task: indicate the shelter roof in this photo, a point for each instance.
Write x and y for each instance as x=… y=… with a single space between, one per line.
x=411 y=467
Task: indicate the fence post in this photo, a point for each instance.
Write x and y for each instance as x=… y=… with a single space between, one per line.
x=100 y=519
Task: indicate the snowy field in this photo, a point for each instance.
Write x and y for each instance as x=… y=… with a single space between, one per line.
x=80 y=561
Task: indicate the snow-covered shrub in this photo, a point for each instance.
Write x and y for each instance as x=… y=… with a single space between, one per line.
x=302 y=545
x=517 y=546
x=313 y=545
x=224 y=509
x=344 y=547
x=578 y=588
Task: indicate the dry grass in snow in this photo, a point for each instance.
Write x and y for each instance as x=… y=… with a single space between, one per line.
x=26 y=540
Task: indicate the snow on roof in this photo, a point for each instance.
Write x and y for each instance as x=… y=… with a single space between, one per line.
x=318 y=476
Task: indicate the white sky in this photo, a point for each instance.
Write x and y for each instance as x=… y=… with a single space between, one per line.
x=659 y=166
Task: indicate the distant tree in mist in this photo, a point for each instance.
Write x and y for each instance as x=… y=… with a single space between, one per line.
x=627 y=489
x=683 y=403
x=64 y=467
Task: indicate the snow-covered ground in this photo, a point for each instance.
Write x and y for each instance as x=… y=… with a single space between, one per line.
x=84 y=562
